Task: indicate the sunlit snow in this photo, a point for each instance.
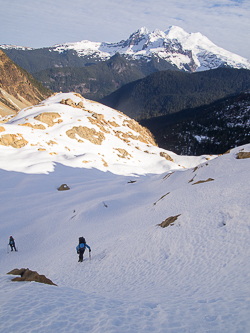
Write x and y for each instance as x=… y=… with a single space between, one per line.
x=192 y=276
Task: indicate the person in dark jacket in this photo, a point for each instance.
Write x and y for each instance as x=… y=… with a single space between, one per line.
x=12 y=243
x=80 y=249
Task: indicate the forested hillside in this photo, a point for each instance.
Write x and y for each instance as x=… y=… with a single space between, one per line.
x=212 y=129
x=167 y=92
x=96 y=80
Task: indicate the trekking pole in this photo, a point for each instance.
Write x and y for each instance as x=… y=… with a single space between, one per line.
x=7 y=248
x=89 y=255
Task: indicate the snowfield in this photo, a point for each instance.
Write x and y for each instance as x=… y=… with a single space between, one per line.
x=191 y=276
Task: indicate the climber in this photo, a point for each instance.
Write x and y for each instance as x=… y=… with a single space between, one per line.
x=81 y=248
x=12 y=243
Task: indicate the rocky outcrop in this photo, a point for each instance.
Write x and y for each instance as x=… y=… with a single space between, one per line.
x=49 y=118
x=35 y=126
x=14 y=140
x=18 y=89
x=28 y=275
x=243 y=154
x=86 y=133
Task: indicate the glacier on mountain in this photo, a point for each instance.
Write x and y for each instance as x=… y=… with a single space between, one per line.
x=187 y=51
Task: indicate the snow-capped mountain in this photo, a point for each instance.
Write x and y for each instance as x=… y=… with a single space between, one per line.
x=187 y=51
x=169 y=237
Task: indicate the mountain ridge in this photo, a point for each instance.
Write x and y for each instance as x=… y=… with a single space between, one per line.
x=186 y=51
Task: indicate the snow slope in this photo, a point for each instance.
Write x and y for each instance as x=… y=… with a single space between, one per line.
x=87 y=135
x=192 y=276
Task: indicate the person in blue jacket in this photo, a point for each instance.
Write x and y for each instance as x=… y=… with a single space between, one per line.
x=12 y=243
x=81 y=248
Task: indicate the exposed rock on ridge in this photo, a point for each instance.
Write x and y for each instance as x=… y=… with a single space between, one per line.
x=18 y=89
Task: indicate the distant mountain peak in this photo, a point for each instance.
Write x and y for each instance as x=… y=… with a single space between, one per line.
x=140 y=32
x=175 y=31
x=186 y=51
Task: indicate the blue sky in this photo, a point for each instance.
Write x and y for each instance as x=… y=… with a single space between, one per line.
x=41 y=23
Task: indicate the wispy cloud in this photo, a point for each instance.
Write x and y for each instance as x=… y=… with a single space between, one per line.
x=39 y=23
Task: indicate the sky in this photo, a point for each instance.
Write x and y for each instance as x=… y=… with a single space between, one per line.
x=43 y=23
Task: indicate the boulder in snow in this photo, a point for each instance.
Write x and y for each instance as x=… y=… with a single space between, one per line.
x=28 y=275
x=63 y=187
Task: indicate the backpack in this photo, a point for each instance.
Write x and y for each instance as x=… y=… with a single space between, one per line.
x=82 y=242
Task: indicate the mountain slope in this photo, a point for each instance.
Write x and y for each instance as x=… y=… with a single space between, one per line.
x=68 y=129
x=98 y=80
x=167 y=92
x=191 y=276
x=213 y=128
x=18 y=89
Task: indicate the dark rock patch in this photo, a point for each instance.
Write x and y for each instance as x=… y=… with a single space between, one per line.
x=63 y=187
x=243 y=154
x=203 y=181
x=28 y=275
x=169 y=221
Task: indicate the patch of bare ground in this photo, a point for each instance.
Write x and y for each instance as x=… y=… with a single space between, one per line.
x=166 y=156
x=168 y=175
x=202 y=181
x=104 y=163
x=123 y=153
x=169 y=221
x=161 y=198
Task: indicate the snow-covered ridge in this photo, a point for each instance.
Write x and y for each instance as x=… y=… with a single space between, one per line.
x=68 y=129
x=16 y=47
x=187 y=51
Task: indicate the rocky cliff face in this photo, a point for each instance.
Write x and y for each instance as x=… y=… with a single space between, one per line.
x=18 y=89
